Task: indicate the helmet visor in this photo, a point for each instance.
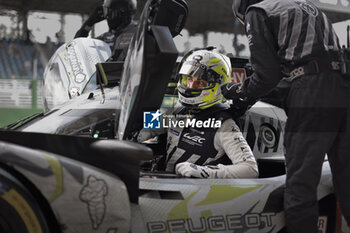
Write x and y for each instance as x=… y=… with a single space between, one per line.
x=200 y=71
x=194 y=69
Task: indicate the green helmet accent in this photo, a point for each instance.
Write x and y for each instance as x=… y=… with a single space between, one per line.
x=208 y=65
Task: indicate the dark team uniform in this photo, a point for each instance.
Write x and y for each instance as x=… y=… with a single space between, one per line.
x=294 y=37
x=121 y=43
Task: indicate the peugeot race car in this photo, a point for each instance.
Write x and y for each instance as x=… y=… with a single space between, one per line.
x=73 y=169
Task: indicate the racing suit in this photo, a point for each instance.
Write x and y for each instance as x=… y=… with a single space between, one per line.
x=296 y=38
x=208 y=147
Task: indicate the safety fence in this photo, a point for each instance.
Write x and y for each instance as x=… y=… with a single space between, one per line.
x=21 y=93
x=19 y=98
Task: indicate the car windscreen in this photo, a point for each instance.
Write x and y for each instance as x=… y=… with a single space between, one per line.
x=97 y=123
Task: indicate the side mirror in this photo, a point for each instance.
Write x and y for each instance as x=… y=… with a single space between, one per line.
x=172 y=14
x=109 y=73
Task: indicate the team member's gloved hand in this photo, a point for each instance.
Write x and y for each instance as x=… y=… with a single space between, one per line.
x=95 y=17
x=240 y=106
x=187 y=169
x=240 y=102
x=232 y=91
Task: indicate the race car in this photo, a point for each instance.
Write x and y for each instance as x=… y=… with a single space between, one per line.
x=74 y=169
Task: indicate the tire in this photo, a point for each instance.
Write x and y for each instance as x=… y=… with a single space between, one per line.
x=20 y=212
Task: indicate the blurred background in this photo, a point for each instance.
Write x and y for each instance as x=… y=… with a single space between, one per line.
x=31 y=30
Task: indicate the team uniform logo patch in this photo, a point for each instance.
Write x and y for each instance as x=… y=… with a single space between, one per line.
x=308 y=8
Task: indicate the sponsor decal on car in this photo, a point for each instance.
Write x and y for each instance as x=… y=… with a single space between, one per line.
x=195 y=213
x=322 y=224
x=238 y=75
x=217 y=223
x=93 y=194
x=75 y=64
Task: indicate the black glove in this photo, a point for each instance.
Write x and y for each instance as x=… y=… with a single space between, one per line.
x=241 y=102
x=95 y=17
x=240 y=106
x=232 y=91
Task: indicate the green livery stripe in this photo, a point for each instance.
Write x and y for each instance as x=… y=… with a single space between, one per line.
x=180 y=210
x=216 y=194
x=206 y=213
x=56 y=168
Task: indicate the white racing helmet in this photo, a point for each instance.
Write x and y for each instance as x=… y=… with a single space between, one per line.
x=208 y=65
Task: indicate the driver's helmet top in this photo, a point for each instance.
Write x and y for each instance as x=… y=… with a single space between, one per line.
x=208 y=69
x=119 y=13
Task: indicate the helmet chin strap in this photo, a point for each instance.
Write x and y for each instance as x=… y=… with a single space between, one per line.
x=196 y=102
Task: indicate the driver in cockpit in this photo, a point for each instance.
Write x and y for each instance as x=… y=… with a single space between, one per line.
x=211 y=145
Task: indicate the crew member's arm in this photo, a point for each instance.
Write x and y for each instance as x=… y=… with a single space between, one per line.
x=263 y=52
x=95 y=17
x=264 y=58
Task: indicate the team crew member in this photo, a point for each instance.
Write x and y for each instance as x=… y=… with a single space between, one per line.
x=199 y=152
x=119 y=15
x=297 y=37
